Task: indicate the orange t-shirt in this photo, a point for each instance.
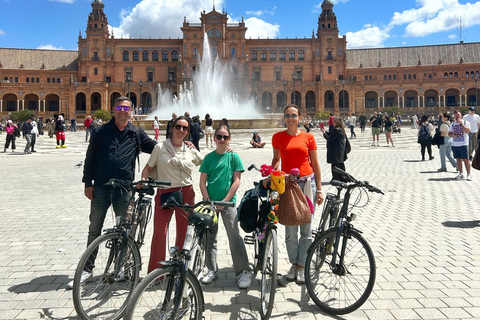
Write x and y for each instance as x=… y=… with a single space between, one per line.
x=294 y=151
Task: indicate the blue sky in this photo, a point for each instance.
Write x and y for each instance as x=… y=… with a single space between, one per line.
x=55 y=24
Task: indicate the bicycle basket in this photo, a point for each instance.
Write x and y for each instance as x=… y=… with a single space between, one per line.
x=206 y=216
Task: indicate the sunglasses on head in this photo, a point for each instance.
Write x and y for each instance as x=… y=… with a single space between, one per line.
x=293 y=116
x=124 y=108
x=179 y=127
x=220 y=137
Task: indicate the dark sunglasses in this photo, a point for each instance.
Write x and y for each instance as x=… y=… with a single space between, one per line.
x=124 y=108
x=293 y=116
x=220 y=137
x=179 y=127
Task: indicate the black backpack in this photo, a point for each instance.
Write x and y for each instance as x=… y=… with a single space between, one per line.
x=424 y=134
x=253 y=210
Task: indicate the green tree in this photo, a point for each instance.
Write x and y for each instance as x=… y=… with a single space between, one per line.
x=103 y=114
x=390 y=110
x=322 y=115
x=21 y=116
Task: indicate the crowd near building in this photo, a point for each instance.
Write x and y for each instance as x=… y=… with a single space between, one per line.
x=316 y=73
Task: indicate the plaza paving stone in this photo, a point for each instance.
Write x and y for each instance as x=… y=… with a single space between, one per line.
x=425 y=233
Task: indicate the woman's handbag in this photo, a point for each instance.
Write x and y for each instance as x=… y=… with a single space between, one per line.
x=438 y=140
x=293 y=209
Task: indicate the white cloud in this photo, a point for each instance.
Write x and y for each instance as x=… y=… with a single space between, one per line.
x=49 y=47
x=162 y=18
x=2 y=33
x=254 y=13
x=369 y=37
x=452 y=36
x=259 y=28
x=64 y=1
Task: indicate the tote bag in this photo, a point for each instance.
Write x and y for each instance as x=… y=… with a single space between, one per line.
x=293 y=209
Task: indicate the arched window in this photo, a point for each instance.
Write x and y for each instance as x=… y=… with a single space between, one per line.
x=58 y=80
x=155 y=55
x=472 y=74
x=283 y=56
x=32 y=79
x=165 y=55
x=301 y=55
x=404 y=77
x=214 y=33
x=450 y=75
x=174 y=55
x=366 y=78
x=455 y=75
x=414 y=76
x=291 y=55
x=394 y=77
x=389 y=77
x=254 y=55
x=385 y=78
x=37 y=80
x=445 y=75
x=409 y=77
x=16 y=79
x=467 y=74
x=135 y=56
x=263 y=55
x=53 y=80
x=369 y=78
x=126 y=55
x=375 y=78
x=11 y=80
x=48 y=80
x=28 y=80
x=145 y=55
x=273 y=55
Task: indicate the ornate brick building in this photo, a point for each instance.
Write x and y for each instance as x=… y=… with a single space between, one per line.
x=317 y=73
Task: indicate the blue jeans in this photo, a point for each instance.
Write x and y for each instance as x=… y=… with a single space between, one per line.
x=103 y=198
x=87 y=133
x=297 y=248
x=446 y=151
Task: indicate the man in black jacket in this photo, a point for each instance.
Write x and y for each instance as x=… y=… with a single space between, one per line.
x=111 y=154
x=27 y=134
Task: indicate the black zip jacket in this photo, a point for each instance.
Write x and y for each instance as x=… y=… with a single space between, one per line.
x=112 y=153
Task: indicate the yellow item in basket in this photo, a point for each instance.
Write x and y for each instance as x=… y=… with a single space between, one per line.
x=278 y=181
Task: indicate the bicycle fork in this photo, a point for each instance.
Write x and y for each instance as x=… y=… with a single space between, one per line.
x=339 y=268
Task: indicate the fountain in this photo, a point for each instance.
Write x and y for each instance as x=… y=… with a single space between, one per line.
x=211 y=91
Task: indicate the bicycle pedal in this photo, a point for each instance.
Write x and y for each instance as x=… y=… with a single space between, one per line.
x=249 y=240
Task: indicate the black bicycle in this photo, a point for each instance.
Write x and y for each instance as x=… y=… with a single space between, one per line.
x=264 y=239
x=340 y=266
x=172 y=291
x=113 y=259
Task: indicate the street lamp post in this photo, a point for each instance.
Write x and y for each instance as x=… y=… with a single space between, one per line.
x=284 y=93
x=476 y=90
x=128 y=78
x=294 y=77
x=343 y=94
x=140 y=84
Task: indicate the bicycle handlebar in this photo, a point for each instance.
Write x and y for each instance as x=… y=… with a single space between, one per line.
x=172 y=202
x=145 y=183
x=356 y=183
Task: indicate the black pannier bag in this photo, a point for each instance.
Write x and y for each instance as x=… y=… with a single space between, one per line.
x=253 y=208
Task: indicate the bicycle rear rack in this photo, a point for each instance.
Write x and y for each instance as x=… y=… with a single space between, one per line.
x=249 y=240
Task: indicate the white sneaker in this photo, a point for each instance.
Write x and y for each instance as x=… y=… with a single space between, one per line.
x=469 y=177
x=459 y=177
x=300 y=276
x=245 y=280
x=373 y=144
x=85 y=276
x=291 y=274
x=209 y=277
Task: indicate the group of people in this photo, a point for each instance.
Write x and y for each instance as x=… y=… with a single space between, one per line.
x=30 y=130
x=460 y=140
x=174 y=160
x=381 y=123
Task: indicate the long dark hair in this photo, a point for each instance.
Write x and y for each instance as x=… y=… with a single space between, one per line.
x=423 y=119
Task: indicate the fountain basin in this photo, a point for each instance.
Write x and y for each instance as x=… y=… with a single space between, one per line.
x=265 y=123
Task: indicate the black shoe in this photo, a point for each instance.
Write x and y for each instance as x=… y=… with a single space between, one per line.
x=423 y=159
x=431 y=158
x=34 y=150
x=470 y=158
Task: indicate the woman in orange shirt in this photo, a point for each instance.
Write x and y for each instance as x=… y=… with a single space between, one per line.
x=298 y=149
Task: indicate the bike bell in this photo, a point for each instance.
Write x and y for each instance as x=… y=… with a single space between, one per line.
x=206 y=215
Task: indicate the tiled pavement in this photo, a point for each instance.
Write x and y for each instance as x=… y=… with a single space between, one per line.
x=425 y=233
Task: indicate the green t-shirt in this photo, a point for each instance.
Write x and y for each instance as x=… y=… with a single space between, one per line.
x=219 y=169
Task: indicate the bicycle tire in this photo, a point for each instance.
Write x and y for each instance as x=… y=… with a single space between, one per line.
x=340 y=294
x=154 y=296
x=103 y=297
x=145 y=211
x=269 y=273
x=328 y=217
x=199 y=259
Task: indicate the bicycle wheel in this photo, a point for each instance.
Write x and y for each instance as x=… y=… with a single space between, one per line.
x=346 y=288
x=199 y=260
x=269 y=273
x=105 y=296
x=154 y=297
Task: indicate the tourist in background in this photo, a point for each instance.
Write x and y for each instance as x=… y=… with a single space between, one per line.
x=363 y=121
x=208 y=130
x=51 y=127
x=73 y=125
x=336 y=151
x=474 y=121
x=10 y=130
x=197 y=128
x=35 y=134
x=375 y=128
x=87 y=125
x=169 y=125
x=224 y=122
x=256 y=141
x=27 y=133
x=293 y=148
x=388 y=124
x=425 y=133
x=171 y=160
x=156 y=127
x=459 y=130
x=60 y=135
x=446 y=147
x=352 y=120
x=219 y=180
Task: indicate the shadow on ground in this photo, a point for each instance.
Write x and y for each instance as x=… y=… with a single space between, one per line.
x=462 y=224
